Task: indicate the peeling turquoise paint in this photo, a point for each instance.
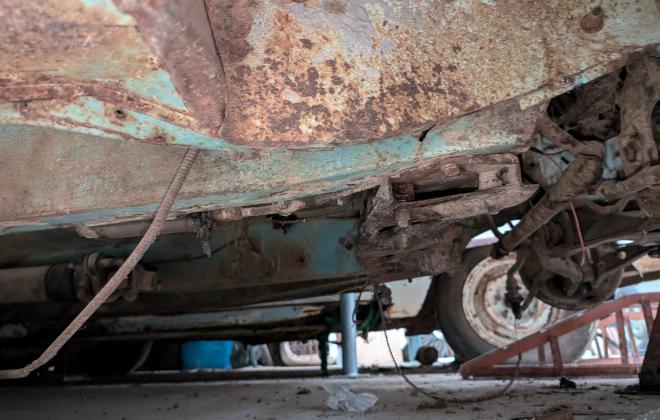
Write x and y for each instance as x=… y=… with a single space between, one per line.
x=307 y=250
x=231 y=177
x=156 y=85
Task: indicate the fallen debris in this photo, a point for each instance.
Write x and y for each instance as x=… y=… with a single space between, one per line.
x=557 y=413
x=561 y=412
x=567 y=383
x=341 y=398
x=651 y=415
x=432 y=405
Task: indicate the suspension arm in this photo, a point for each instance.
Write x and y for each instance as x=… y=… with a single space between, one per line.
x=581 y=175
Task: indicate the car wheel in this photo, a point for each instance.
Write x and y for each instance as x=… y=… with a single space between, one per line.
x=474 y=318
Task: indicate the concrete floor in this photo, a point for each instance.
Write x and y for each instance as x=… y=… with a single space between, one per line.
x=305 y=399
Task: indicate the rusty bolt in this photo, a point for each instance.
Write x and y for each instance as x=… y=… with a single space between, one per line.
x=592 y=22
x=451 y=169
x=404 y=191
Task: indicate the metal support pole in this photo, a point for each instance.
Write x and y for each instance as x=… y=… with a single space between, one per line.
x=348 y=335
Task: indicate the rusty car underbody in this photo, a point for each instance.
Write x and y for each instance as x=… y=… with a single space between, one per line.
x=343 y=144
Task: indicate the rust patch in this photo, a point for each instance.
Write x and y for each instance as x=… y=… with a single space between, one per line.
x=336 y=72
x=306 y=43
x=335 y=7
x=51 y=90
x=306 y=73
x=231 y=22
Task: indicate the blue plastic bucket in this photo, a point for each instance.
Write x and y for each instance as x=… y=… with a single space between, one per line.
x=208 y=354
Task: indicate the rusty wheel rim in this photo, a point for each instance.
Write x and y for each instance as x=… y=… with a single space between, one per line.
x=485 y=309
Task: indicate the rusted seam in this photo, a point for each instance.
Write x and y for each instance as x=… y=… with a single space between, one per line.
x=106 y=92
x=222 y=67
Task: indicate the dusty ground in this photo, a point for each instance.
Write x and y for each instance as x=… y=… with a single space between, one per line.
x=305 y=399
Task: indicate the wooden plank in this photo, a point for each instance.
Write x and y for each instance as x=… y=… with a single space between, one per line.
x=541 y=352
x=560 y=328
x=549 y=371
x=623 y=344
x=649 y=377
x=633 y=342
x=648 y=314
x=557 y=363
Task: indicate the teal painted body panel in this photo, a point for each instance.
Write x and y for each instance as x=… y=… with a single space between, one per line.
x=256 y=253
x=84 y=169
x=260 y=254
x=94 y=94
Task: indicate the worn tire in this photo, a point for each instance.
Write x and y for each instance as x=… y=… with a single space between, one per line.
x=462 y=337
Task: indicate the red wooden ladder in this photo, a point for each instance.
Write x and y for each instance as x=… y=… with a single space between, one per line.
x=493 y=362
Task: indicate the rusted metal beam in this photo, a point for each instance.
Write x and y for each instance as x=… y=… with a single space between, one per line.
x=582 y=173
x=557 y=363
x=116 y=180
x=648 y=314
x=621 y=333
x=179 y=34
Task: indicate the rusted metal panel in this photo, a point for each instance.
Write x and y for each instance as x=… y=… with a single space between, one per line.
x=123 y=180
x=297 y=74
x=75 y=74
x=319 y=72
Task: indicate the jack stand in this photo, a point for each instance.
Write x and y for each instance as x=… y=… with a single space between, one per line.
x=348 y=335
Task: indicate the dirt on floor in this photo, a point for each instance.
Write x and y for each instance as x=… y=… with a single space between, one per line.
x=599 y=398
